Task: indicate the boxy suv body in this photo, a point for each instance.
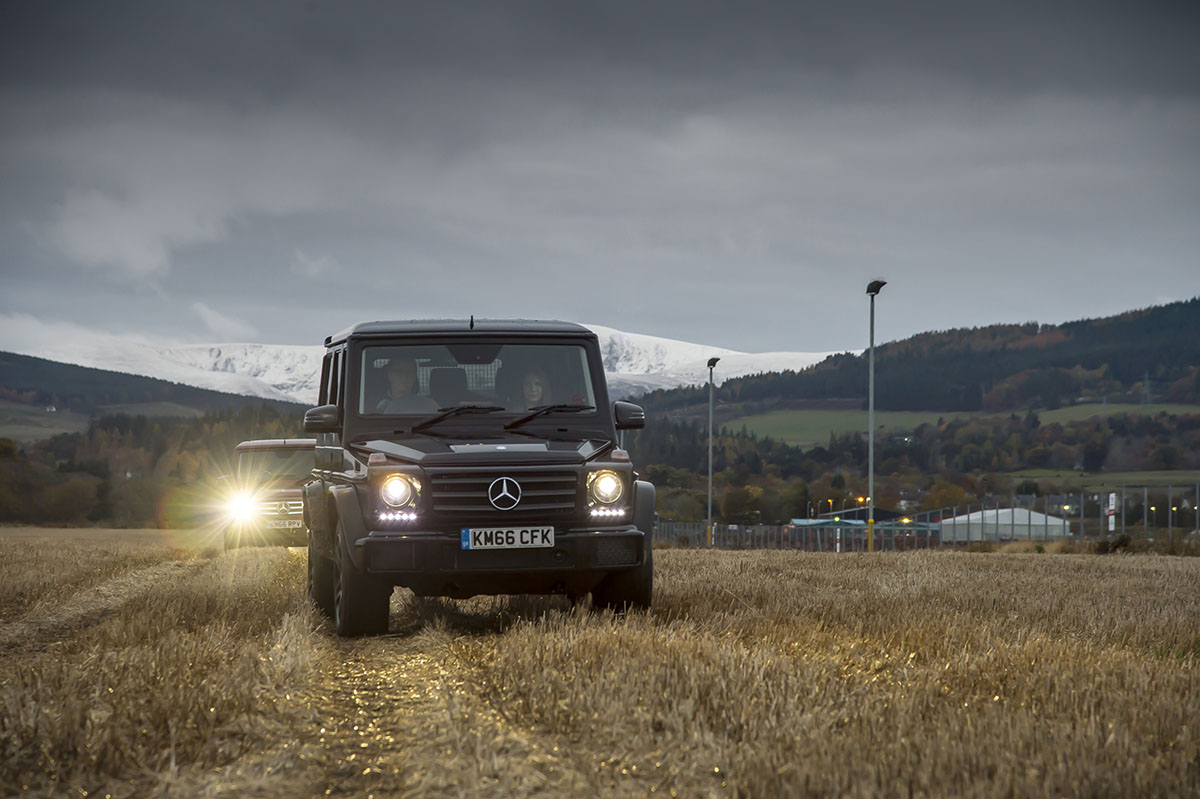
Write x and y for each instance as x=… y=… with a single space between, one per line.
x=459 y=458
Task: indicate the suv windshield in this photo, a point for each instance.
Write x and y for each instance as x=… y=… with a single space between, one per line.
x=421 y=379
x=276 y=464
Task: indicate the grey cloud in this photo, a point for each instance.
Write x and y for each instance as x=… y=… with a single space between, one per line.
x=707 y=171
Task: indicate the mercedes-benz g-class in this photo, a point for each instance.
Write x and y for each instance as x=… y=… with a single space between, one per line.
x=458 y=458
x=264 y=505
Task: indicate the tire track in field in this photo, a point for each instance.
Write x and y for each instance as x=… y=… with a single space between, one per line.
x=43 y=626
x=401 y=716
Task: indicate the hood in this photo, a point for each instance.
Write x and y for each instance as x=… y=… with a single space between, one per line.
x=279 y=494
x=430 y=451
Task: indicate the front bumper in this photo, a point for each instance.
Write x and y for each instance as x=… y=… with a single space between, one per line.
x=435 y=564
x=256 y=534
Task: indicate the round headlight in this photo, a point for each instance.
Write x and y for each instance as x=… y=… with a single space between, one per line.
x=242 y=507
x=398 y=491
x=606 y=487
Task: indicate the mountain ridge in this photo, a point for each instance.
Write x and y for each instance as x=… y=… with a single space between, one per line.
x=634 y=362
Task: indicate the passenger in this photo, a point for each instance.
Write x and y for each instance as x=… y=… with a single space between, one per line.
x=401 y=395
x=535 y=389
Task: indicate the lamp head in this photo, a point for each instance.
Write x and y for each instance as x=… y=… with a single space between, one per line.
x=712 y=362
x=875 y=286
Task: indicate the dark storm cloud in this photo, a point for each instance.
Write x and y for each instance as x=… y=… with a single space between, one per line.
x=725 y=172
x=235 y=52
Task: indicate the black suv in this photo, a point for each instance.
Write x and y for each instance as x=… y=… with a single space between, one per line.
x=263 y=504
x=471 y=457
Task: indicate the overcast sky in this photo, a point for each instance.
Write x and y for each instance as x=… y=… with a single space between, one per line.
x=726 y=173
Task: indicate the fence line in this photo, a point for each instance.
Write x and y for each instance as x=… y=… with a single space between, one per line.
x=1126 y=510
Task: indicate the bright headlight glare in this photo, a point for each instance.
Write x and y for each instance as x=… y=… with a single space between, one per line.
x=398 y=490
x=242 y=507
x=606 y=487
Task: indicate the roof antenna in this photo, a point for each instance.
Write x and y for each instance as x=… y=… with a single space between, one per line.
x=472 y=321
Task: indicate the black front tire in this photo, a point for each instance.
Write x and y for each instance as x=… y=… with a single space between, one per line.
x=321 y=577
x=360 y=601
x=627 y=590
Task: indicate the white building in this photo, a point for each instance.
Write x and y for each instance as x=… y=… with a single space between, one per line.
x=1004 y=524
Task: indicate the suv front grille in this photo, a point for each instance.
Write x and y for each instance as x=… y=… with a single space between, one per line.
x=545 y=493
x=281 y=507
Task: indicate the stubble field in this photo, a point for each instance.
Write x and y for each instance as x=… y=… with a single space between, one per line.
x=132 y=665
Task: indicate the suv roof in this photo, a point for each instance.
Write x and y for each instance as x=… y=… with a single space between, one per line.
x=520 y=327
x=277 y=443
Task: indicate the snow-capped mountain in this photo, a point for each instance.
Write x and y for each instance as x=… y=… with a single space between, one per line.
x=634 y=363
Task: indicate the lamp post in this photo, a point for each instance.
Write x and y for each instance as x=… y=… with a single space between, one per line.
x=873 y=289
x=712 y=362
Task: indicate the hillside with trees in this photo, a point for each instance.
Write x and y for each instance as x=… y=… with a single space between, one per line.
x=993 y=368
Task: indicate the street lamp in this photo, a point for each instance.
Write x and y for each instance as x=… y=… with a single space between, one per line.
x=712 y=362
x=873 y=289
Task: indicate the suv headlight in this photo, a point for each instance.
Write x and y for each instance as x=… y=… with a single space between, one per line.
x=242 y=507
x=605 y=487
x=400 y=491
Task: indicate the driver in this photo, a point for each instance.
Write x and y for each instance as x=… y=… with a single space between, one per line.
x=401 y=395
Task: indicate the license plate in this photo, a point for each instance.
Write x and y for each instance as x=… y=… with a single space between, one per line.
x=289 y=523
x=507 y=537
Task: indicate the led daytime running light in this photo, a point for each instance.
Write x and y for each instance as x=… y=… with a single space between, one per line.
x=397 y=516
x=607 y=512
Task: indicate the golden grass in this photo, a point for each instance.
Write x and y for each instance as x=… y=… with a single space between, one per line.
x=757 y=674
x=47 y=566
x=186 y=671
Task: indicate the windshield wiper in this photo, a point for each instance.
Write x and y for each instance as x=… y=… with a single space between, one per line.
x=447 y=413
x=543 y=409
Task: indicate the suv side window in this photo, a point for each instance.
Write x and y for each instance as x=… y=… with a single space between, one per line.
x=335 y=381
x=326 y=365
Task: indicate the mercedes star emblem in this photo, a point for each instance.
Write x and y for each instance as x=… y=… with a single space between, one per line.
x=505 y=493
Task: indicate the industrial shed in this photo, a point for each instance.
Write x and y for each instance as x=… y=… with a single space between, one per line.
x=1004 y=524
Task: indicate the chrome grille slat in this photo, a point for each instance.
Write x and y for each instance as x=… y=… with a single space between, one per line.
x=544 y=492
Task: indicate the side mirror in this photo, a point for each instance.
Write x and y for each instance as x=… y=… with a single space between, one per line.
x=628 y=416
x=322 y=419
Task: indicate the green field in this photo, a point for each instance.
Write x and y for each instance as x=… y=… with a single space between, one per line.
x=808 y=428
x=29 y=423
x=152 y=409
x=1184 y=479
x=26 y=423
